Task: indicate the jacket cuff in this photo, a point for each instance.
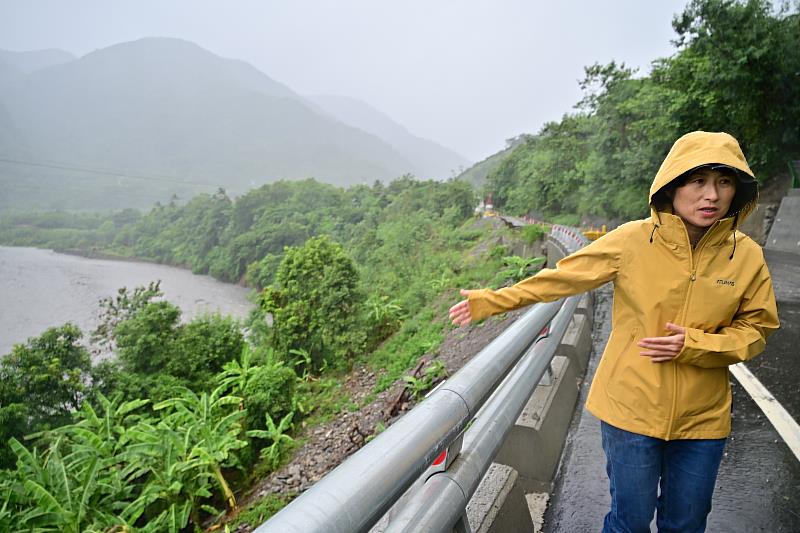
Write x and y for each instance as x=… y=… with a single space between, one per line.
x=479 y=306
x=693 y=339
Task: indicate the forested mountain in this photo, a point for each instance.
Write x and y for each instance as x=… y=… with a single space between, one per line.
x=477 y=173
x=431 y=160
x=172 y=111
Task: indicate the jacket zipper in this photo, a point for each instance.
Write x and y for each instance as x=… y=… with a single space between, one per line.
x=692 y=278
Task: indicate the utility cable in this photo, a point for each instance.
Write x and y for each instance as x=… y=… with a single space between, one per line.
x=76 y=168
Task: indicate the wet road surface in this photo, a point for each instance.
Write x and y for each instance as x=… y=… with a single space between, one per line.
x=758 y=488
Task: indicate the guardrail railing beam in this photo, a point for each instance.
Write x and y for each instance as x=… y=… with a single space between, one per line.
x=438 y=506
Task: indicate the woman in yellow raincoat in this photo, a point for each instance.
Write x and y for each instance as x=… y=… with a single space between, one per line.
x=692 y=295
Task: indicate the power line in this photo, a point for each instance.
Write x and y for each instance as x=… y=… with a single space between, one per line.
x=139 y=195
x=75 y=168
x=76 y=183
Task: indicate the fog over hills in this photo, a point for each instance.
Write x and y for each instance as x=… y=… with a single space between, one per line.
x=171 y=109
x=431 y=159
x=27 y=62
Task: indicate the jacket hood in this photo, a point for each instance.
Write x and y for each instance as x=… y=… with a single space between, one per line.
x=700 y=148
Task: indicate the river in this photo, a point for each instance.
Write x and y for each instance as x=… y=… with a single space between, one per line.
x=41 y=289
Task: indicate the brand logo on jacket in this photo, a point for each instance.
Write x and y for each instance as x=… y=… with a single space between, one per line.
x=726 y=282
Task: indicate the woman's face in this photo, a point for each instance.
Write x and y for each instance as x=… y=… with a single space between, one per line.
x=704 y=198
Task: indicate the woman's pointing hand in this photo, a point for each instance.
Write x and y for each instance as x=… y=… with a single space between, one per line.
x=460 y=313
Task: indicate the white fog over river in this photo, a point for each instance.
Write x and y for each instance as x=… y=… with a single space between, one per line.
x=41 y=289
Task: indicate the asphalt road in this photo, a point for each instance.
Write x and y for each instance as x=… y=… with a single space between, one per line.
x=758 y=488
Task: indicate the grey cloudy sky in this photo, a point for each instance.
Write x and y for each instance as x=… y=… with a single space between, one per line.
x=468 y=74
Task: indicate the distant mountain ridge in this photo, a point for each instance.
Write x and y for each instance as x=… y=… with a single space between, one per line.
x=431 y=159
x=168 y=107
x=27 y=62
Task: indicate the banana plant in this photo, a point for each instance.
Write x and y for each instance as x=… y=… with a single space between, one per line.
x=237 y=374
x=441 y=283
x=211 y=432
x=304 y=361
x=518 y=268
x=115 y=469
x=159 y=454
x=80 y=481
x=6 y=514
x=273 y=453
x=385 y=315
x=54 y=495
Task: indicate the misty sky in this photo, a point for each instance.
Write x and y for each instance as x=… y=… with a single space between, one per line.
x=468 y=74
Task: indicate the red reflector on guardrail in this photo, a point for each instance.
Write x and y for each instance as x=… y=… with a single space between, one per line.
x=439 y=460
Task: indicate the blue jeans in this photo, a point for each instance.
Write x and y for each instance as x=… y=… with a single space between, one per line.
x=685 y=471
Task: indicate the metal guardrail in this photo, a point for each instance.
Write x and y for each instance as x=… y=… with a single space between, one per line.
x=357 y=493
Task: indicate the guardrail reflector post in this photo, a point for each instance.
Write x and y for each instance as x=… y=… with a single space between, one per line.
x=446 y=458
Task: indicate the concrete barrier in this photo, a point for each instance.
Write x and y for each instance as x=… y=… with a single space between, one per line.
x=499 y=505
x=586 y=305
x=533 y=448
x=554 y=253
x=577 y=342
x=783 y=234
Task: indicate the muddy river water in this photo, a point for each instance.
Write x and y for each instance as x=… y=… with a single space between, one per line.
x=41 y=289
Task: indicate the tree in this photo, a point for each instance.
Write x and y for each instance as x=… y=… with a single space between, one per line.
x=41 y=383
x=202 y=347
x=114 y=310
x=156 y=353
x=146 y=341
x=736 y=71
x=315 y=303
x=269 y=391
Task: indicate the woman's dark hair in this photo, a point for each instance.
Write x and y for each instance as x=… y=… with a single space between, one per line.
x=662 y=199
x=746 y=192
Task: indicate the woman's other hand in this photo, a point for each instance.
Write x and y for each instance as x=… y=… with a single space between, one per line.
x=663 y=349
x=459 y=313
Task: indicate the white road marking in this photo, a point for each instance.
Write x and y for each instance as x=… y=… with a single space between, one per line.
x=785 y=425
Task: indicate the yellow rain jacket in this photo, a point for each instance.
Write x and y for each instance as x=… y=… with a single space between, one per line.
x=720 y=291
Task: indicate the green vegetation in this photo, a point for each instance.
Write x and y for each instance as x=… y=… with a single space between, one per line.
x=735 y=70
x=265 y=508
x=533 y=233
x=42 y=382
x=314 y=304
x=433 y=374
x=476 y=174
x=276 y=434
x=516 y=269
x=183 y=415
